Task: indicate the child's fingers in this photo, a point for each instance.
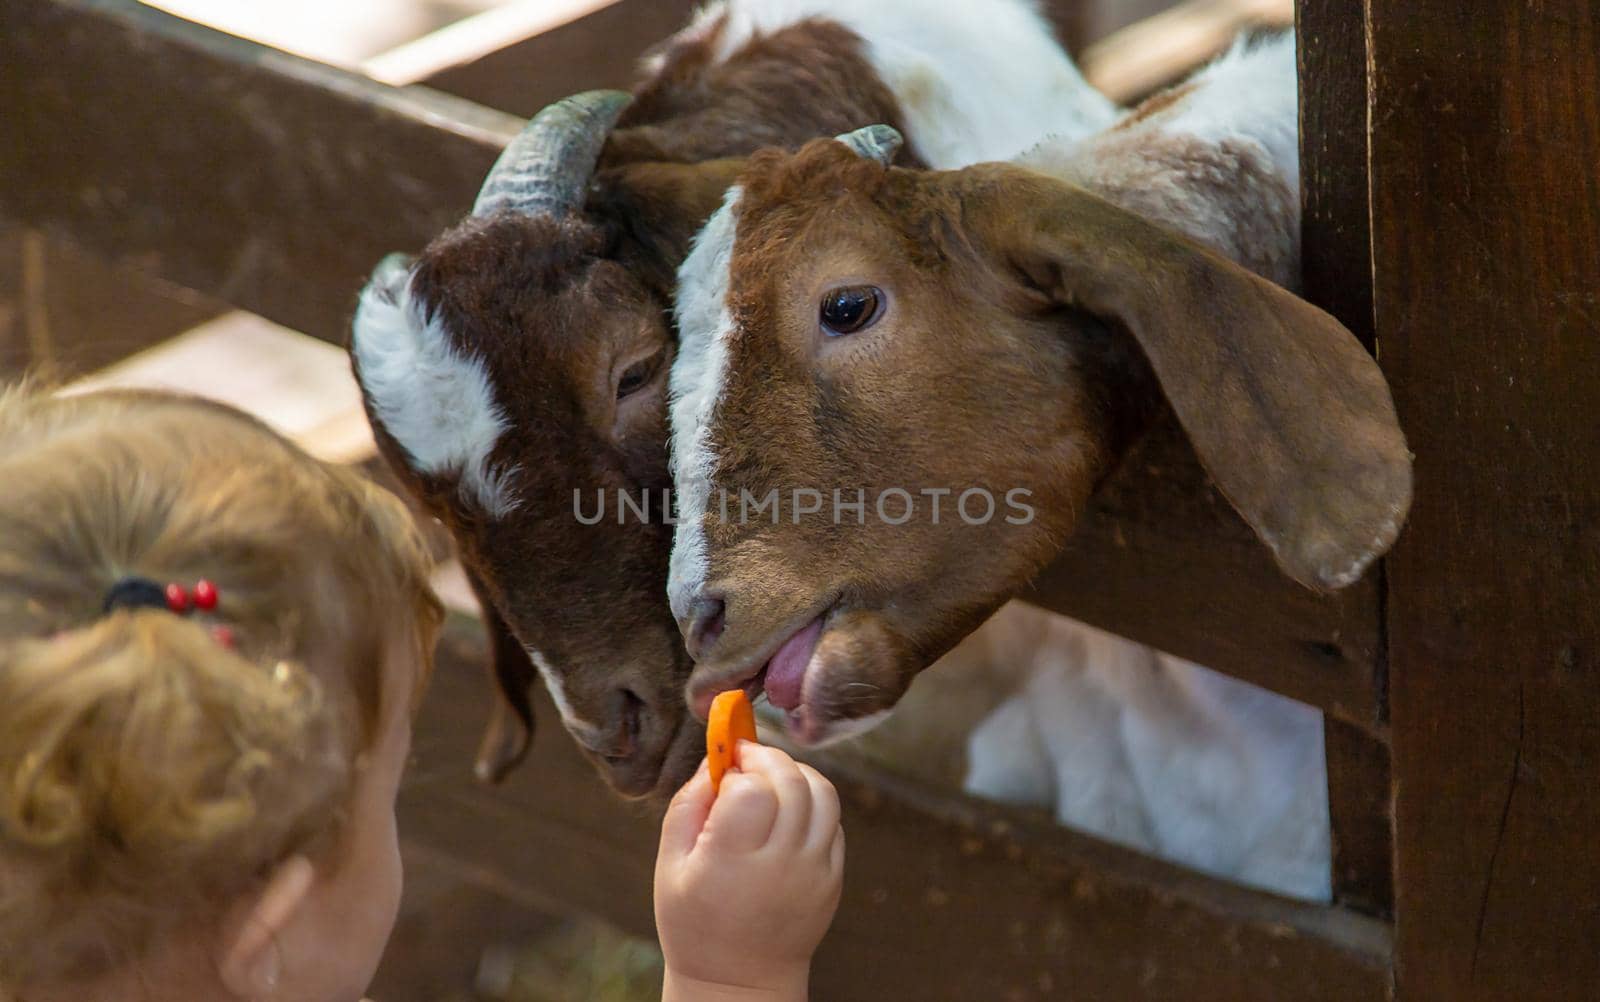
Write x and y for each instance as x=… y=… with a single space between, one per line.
x=686 y=815
x=743 y=817
x=824 y=808
x=836 y=853
x=794 y=793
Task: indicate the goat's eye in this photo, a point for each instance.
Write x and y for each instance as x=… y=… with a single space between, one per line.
x=850 y=309
x=635 y=376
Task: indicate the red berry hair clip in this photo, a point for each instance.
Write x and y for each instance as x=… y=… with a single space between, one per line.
x=143 y=593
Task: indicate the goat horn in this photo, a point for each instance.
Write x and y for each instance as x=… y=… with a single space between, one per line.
x=875 y=142
x=545 y=171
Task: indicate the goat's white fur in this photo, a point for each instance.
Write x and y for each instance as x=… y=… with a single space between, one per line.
x=1162 y=755
x=436 y=402
x=1245 y=103
x=1250 y=94
x=695 y=383
x=974 y=81
x=584 y=730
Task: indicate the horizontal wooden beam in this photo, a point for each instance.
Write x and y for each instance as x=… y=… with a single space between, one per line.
x=601 y=49
x=265 y=180
x=946 y=898
x=1155 y=51
x=492 y=30
x=1160 y=556
x=64 y=313
x=274 y=183
x=522 y=56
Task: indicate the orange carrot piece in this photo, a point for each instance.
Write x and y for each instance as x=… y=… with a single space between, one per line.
x=731 y=719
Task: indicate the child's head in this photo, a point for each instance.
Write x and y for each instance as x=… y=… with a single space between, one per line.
x=172 y=798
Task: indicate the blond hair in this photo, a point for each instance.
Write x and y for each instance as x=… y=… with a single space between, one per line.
x=149 y=773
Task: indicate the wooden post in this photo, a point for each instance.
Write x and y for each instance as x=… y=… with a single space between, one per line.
x=1485 y=172
x=1337 y=272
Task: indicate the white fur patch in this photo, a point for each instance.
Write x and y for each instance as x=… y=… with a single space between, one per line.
x=583 y=729
x=437 y=403
x=1248 y=96
x=1184 y=164
x=704 y=324
x=974 y=81
x=1006 y=757
x=1162 y=755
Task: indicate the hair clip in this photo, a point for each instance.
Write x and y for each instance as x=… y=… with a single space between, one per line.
x=205 y=595
x=135 y=592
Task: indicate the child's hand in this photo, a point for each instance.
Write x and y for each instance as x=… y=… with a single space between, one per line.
x=747 y=884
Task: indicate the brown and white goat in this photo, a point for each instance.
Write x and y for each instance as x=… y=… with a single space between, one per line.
x=861 y=343
x=521 y=361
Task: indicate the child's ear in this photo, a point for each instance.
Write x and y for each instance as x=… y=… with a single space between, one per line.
x=248 y=959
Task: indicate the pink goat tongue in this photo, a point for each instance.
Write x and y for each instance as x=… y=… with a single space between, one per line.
x=786 y=672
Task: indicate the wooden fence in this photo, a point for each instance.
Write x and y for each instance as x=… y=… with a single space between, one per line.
x=1452 y=221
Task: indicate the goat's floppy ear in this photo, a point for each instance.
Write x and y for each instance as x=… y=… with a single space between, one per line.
x=509 y=733
x=1289 y=414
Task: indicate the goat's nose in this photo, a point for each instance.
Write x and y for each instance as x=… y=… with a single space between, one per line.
x=705 y=624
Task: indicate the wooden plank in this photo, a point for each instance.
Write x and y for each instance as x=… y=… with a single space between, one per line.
x=450 y=930
x=1071 y=20
x=601 y=49
x=262 y=179
x=1146 y=55
x=300 y=386
x=1336 y=253
x=64 y=312
x=1335 y=225
x=1485 y=134
x=471 y=38
x=945 y=897
x=1160 y=556
x=25 y=342
x=1361 y=811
